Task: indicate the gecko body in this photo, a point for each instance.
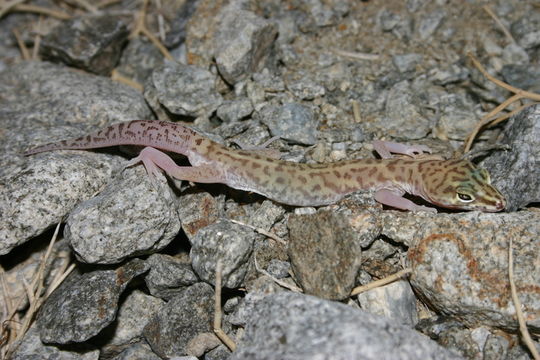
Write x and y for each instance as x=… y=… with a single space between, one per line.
x=454 y=184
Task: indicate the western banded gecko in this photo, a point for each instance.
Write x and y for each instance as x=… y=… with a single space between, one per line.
x=453 y=184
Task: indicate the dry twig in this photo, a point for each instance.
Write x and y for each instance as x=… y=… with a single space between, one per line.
x=36 y=294
x=9 y=6
x=490 y=118
x=356 y=55
x=356 y=111
x=42 y=10
x=225 y=339
x=499 y=23
x=517 y=304
x=276 y=280
x=378 y=283
x=140 y=28
x=25 y=53
x=116 y=76
x=262 y=231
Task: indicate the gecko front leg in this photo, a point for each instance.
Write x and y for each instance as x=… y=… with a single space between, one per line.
x=386 y=148
x=155 y=160
x=394 y=198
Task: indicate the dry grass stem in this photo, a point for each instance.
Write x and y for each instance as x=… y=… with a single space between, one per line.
x=499 y=23
x=42 y=10
x=25 y=53
x=491 y=118
x=36 y=294
x=262 y=231
x=356 y=111
x=106 y=3
x=526 y=336
x=356 y=55
x=225 y=339
x=37 y=40
x=116 y=76
x=381 y=282
x=7 y=6
x=83 y=4
x=140 y=28
x=276 y=280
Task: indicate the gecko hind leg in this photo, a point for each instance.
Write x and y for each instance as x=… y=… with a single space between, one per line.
x=156 y=161
x=386 y=148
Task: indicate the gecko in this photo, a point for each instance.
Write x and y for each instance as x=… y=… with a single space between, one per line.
x=452 y=184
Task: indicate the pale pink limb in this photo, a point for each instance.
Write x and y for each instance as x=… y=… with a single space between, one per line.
x=155 y=160
x=395 y=199
x=386 y=148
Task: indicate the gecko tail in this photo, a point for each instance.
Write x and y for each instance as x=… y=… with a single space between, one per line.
x=159 y=134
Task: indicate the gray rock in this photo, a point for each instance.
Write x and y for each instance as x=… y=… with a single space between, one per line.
x=403 y=115
x=168 y=276
x=456 y=116
x=407 y=62
x=181 y=321
x=261 y=288
x=219 y=353
x=324 y=255
x=43 y=102
x=278 y=269
x=394 y=301
x=460 y=264
x=234 y=110
x=181 y=12
x=305 y=88
x=198 y=210
x=526 y=77
x=133 y=315
x=515 y=172
x=137 y=351
x=92 y=43
x=379 y=250
x=266 y=215
x=496 y=347
x=45 y=190
x=139 y=59
x=526 y=30
x=116 y=224
x=269 y=82
x=223 y=241
x=449 y=74
x=85 y=304
x=295 y=326
x=430 y=23
x=236 y=129
x=242 y=43
x=183 y=90
x=31 y=348
x=387 y=19
x=293 y=122
x=515 y=54
x=327 y=14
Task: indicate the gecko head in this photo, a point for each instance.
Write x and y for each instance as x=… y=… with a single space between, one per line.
x=464 y=187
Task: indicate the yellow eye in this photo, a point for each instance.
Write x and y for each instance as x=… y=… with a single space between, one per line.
x=465 y=197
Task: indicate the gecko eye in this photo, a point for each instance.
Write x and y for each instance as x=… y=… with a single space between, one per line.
x=466 y=198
